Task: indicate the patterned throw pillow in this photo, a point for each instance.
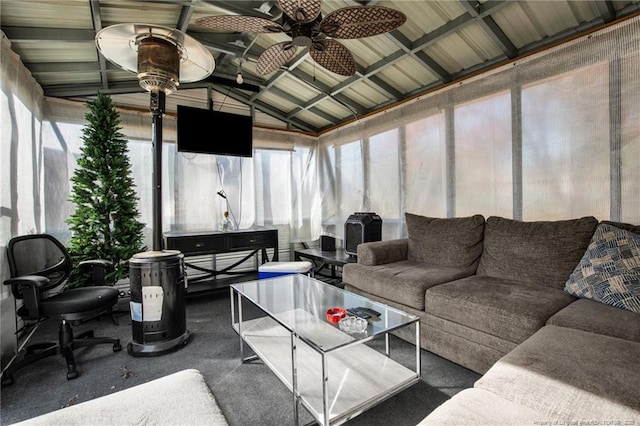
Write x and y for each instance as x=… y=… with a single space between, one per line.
x=609 y=271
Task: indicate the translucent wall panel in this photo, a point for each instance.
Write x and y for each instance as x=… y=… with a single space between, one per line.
x=235 y=177
x=26 y=199
x=483 y=165
x=273 y=187
x=140 y=152
x=328 y=189
x=197 y=205
x=630 y=136
x=425 y=157
x=384 y=193
x=306 y=217
x=61 y=149
x=565 y=145
x=198 y=178
x=350 y=181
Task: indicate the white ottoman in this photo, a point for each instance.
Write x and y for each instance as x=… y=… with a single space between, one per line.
x=276 y=269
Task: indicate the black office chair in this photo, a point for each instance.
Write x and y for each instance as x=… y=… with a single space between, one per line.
x=40 y=265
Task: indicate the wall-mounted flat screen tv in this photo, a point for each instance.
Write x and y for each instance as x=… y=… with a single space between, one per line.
x=206 y=131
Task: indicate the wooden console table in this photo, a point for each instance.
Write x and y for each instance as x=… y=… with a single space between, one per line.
x=198 y=243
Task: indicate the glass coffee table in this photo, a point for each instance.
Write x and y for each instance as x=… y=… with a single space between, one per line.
x=335 y=375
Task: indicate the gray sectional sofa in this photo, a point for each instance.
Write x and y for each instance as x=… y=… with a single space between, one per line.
x=515 y=301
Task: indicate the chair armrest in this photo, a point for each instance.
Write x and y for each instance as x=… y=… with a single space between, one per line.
x=98 y=269
x=29 y=289
x=381 y=252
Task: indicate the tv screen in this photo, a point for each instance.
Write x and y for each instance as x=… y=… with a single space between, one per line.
x=206 y=131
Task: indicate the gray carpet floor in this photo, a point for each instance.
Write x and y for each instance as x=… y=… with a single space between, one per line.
x=248 y=394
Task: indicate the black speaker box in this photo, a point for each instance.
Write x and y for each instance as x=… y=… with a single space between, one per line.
x=361 y=227
x=327 y=243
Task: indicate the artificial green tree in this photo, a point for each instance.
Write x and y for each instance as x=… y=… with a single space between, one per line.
x=105 y=222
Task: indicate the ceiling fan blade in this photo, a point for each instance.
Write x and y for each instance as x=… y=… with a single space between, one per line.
x=240 y=23
x=301 y=10
x=274 y=57
x=361 y=21
x=333 y=56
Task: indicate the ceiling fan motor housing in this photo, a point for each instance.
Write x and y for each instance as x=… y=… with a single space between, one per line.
x=158 y=65
x=301 y=33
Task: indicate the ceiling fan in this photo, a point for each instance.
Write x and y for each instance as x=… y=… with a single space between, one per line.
x=303 y=22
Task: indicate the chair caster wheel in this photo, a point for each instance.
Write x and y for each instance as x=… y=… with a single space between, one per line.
x=72 y=375
x=117 y=347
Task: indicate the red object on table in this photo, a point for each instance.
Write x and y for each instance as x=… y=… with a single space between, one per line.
x=335 y=314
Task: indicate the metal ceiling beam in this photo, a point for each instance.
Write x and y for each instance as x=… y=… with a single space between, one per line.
x=606 y=10
x=96 y=19
x=238 y=8
x=329 y=92
x=309 y=80
x=38 y=34
x=66 y=67
x=90 y=89
x=386 y=87
x=488 y=24
x=310 y=105
x=217 y=46
x=561 y=36
x=186 y=12
x=423 y=59
x=267 y=109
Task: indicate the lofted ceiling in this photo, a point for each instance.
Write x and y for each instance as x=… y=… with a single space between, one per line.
x=442 y=41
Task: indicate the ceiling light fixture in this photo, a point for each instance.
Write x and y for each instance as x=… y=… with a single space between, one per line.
x=239 y=78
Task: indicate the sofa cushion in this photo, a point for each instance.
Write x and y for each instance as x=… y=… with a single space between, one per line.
x=472 y=349
x=596 y=317
x=496 y=306
x=447 y=242
x=535 y=253
x=403 y=282
x=572 y=376
x=480 y=407
x=609 y=271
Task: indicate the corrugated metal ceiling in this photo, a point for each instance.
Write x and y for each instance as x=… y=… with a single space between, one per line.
x=441 y=42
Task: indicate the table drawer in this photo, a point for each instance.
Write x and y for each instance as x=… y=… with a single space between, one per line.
x=253 y=241
x=202 y=244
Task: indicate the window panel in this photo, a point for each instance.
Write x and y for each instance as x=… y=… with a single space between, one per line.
x=565 y=146
x=425 y=167
x=630 y=149
x=350 y=180
x=273 y=186
x=384 y=181
x=483 y=157
x=61 y=149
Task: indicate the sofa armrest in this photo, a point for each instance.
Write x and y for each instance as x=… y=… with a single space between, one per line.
x=381 y=252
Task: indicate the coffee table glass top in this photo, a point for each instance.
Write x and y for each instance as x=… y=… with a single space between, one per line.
x=299 y=303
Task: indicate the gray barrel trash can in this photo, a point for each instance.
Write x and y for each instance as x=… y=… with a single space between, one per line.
x=158 y=314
